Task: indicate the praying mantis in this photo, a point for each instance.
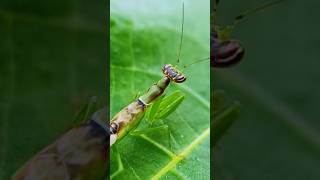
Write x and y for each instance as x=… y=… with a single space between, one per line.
x=128 y=118
x=125 y=134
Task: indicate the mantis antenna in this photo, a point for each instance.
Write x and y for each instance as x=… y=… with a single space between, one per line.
x=181 y=37
x=244 y=14
x=197 y=61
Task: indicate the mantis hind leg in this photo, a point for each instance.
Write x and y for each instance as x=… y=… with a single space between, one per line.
x=144 y=132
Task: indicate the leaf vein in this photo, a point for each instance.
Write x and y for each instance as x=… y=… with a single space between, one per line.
x=172 y=164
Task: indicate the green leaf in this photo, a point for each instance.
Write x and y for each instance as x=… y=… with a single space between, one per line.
x=52 y=58
x=144 y=131
x=145 y=37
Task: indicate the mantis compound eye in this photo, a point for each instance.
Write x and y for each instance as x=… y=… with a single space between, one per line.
x=173 y=74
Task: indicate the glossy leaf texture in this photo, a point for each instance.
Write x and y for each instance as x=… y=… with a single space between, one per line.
x=277 y=133
x=52 y=59
x=144 y=36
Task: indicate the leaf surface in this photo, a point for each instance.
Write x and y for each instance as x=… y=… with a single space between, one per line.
x=144 y=37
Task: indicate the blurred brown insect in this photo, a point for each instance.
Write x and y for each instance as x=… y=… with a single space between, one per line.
x=226 y=52
x=81 y=153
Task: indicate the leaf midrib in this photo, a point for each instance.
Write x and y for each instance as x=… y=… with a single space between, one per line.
x=183 y=154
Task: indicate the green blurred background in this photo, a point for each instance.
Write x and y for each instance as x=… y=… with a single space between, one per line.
x=53 y=56
x=277 y=83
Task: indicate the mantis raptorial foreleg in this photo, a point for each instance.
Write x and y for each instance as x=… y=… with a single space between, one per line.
x=158 y=110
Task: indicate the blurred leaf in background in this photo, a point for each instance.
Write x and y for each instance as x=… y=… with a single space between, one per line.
x=145 y=35
x=52 y=58
x=277 y=134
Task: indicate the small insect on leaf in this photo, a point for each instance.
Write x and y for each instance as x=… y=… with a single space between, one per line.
x=169 y=104
x=153 y=109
